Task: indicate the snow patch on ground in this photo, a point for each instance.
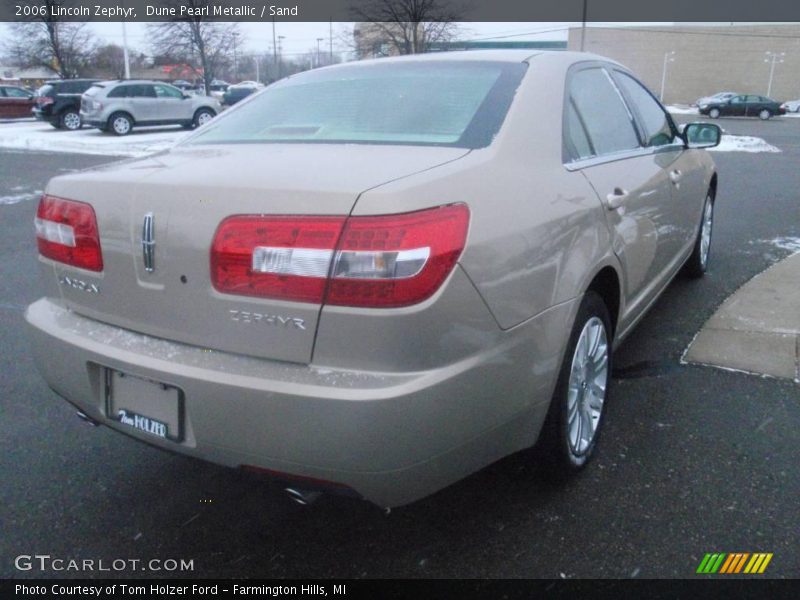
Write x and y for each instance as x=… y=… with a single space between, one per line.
x=40 y=136
x=682 y=110
x=17 y=198
x=743 y=143
x=783 y=242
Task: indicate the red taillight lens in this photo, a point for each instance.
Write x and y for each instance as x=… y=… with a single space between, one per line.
x=66 y=231
x=385 y=261
x=266 y=256
x=397 y=260
x=42 y=100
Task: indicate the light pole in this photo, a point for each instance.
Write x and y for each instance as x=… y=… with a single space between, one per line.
x=235 y=61
x=258 y=70
x=773 y=58
x=125 y=51
x=280 y=53
x=583 y=26
x=318 y=41
x=668 y=58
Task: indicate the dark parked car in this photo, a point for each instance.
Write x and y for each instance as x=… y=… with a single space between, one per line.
x=15 y=102
x=59 y=102
x=235 y=93
x=743 y=106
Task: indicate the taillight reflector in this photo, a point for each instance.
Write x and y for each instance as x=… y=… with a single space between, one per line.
x=66 y=231
x=383 y=261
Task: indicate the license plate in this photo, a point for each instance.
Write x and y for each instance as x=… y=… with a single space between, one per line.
x=148 y=406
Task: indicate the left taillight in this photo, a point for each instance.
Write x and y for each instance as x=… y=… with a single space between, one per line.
x=66 y=231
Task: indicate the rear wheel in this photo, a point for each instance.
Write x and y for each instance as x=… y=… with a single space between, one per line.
x=120 y=124
x=698 y=261
x=764 y=114
x=576 y=412
x=71 y=120
x=714 y=113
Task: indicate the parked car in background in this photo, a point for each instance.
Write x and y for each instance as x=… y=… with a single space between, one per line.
x=15 y=102
x=377 y=279
x=240 y=91
x=743 y=106
x=718 y=97
x=59 y=102
x=119 y=106
x=791 y=106
x=218 y=88
x=184 y=85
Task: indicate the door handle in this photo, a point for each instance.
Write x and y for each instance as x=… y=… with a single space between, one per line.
x=675 y=175
x=616 y=198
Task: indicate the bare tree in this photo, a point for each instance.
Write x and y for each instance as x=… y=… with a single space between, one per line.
x=196 y=40
x=65 y=47
x=403 y=26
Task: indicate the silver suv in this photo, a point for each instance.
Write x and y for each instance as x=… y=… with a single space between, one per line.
x=118 y=106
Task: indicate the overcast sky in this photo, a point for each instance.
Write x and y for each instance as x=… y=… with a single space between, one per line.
x=299 y=38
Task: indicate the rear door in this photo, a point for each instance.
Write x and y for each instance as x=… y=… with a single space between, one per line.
x=141 y=102
x=630 y=179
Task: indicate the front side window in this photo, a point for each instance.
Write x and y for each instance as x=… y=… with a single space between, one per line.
x=657 y=126
x=165 y=91
x=738 y=99
x=141 y=91
x=12 y=92
x=454 y=103
x=597 y=101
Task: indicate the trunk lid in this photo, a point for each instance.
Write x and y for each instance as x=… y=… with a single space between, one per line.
x=187 y=193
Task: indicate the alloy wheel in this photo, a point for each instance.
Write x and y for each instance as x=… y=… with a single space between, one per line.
x=586 y=390
x=705 y=231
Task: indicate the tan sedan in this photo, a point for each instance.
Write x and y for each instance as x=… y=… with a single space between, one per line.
x=376 y=278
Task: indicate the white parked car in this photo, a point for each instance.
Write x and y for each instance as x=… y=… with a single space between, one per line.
x=791 y=106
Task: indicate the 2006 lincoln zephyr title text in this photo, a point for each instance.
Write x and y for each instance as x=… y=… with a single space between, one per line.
x=376 y=278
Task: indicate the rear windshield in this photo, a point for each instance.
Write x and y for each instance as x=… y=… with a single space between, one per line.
x=44 y=90
x=424 y=103
x=94 y=89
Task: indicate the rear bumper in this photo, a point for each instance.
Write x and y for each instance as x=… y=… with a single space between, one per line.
x=391 y=437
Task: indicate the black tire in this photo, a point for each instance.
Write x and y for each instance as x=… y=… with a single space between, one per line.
x=70 y=120
x=557 y=450
x=697 y=264
x=202 y=115
x=56 y=123
x=116 y=123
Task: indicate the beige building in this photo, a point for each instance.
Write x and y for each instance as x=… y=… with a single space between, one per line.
x=706 y=59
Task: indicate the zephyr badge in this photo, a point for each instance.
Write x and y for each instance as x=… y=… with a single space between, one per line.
x=148 y=243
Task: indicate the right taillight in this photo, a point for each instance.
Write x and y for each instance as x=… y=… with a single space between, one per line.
x=66 y=231
x=380 y=262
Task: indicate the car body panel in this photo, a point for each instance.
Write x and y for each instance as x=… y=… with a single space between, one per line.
x=15 y=102
x=393 y=403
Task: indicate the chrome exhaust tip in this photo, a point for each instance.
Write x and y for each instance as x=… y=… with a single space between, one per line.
x=87 y=419
x=302 y=497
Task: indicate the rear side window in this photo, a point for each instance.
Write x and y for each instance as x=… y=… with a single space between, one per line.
x=657 y=126
x=121 y=91
x=597 y=101
x=141 y=91
x=576 y=138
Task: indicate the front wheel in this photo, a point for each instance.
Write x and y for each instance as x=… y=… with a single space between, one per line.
x=764 y=115
x=576 y=412
x=697 y=264
x=714 y=113
x=203 y=116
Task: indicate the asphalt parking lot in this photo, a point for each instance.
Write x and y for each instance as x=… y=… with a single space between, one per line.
x=693 y=459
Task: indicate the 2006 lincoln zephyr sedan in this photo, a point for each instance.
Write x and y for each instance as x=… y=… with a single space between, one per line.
x=376 y=278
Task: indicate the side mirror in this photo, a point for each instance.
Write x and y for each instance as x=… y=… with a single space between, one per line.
x=701 y=135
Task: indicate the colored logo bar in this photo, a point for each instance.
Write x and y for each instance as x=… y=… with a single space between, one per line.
x=728 y=563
